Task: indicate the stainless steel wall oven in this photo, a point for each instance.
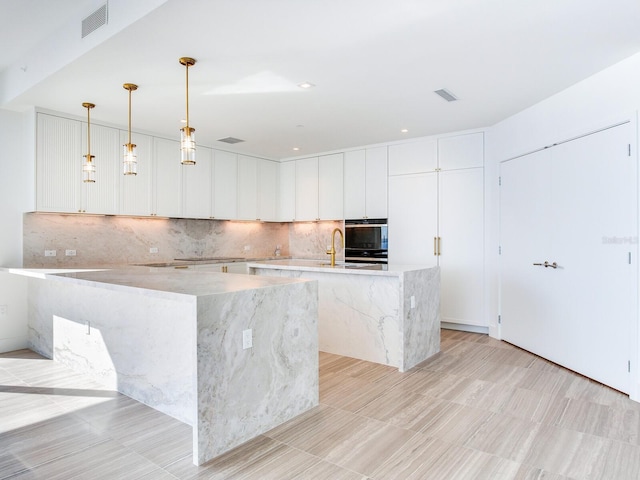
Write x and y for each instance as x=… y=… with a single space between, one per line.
x=366 y=240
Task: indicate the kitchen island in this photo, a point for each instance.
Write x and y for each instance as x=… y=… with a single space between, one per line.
x=231 y=355
x=388 y=314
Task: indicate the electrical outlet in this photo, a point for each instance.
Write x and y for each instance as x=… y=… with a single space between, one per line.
x=153 y=250
x=4 y=311
x=247 y=339
x=247 y=248
x=70 y=253
x=49 y=253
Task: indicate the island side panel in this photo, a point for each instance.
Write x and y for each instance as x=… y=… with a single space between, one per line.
x=138 y=345
x=421 y=324
x=359 y=315
x=242 y=393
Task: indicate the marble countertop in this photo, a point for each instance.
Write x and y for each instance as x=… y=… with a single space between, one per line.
x=324 y=266
x=150 y=281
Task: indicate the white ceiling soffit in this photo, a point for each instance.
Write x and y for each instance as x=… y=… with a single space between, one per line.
x=374 y=63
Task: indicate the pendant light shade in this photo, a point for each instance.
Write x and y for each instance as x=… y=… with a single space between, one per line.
x=187 y=134
x=129 y=157
x=88 y=167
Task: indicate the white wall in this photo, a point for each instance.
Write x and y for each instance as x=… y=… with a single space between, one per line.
x=604 y=99
x=16 y=197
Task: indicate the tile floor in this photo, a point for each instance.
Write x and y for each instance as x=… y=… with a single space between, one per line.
x=481 y=409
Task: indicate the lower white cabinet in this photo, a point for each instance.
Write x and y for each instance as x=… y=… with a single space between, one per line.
x=436 y=218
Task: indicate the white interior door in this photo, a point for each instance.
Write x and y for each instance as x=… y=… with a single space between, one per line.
x=576 y=205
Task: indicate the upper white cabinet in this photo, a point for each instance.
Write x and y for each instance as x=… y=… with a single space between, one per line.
x=167 y=186
x=267 y=190
x=197 y=185
x=60 y=146
x=307 y=189
x=225 y=185
x=287 y=191
x=59 y=163
x=331 y=187
x=461 y=151
x=247 y=188
x=135 y=190
x=413 y=157
x=365 y=183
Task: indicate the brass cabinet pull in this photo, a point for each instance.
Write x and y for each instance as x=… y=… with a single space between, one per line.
x=436 y=245
x=439 y=246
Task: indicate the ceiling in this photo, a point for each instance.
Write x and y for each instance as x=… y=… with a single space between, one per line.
x=375 y=65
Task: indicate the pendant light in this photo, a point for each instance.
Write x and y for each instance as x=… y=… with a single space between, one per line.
x=129 y=158
x=187 y=134
x=88 y=167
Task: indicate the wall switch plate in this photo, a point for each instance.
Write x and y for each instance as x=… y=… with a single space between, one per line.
x=413 y=301
x=247 y=339
x=153 y=250
x=70 y=253
x=49 y=253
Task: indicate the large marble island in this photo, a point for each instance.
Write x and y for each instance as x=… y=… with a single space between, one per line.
x=385 y=314
x=177 y=340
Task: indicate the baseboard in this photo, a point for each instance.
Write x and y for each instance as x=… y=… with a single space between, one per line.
x=12 y=344
x=465 y=328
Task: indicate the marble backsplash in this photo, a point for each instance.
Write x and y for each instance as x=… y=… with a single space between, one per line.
x=114 y=240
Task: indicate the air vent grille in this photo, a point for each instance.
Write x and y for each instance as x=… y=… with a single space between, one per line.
x=95 y=20
x=447 y=95
x=230 y=140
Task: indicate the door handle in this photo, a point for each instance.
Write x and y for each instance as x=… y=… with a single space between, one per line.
x=546 y=264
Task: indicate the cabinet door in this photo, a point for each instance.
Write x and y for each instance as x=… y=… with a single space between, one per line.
x=413 y=219
x=331 y=187
x=58 y=164
x=355 y=177
x=376 y=178
x=267 y=190
x=461 y=151
x=197 y=185
x=168 y=178
x=307 y=189
x=461 y=259
x=225 y=185
x=287 y=191
x=247 y=187
x=135 y=190
x=102 y=196
x=413 y=157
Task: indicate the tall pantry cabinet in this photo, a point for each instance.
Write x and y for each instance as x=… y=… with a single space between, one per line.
x=436 y=217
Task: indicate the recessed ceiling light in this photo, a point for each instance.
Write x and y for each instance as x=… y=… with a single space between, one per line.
x=404 y=130
x=295 y=149
x=306 y=85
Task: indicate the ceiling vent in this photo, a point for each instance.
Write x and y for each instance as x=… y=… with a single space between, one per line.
x=95 y=20
x=447 y=95
x=230 y=140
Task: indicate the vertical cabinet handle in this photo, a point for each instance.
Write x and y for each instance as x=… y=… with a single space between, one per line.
x=439 y=246
x=436 y=246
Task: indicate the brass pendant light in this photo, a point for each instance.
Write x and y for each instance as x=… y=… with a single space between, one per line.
x=129 y=157
x=187 y=134
x=88 y=167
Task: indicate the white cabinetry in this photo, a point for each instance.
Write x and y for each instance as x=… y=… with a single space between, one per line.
x=225 y=185
x=436 y=217
x=247 y=188
x=331 y=187
x=365 y=183
x=267 y=190
x=60 y=146
x=287 y=191
x=197 y=185
x=167 y=186
x=135 y=190
x=307 y=189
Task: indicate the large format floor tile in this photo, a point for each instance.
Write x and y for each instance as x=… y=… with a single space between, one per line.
x=481 y=409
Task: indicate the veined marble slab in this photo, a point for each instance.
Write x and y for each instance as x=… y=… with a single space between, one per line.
x=173 y=340
x=389 y=316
